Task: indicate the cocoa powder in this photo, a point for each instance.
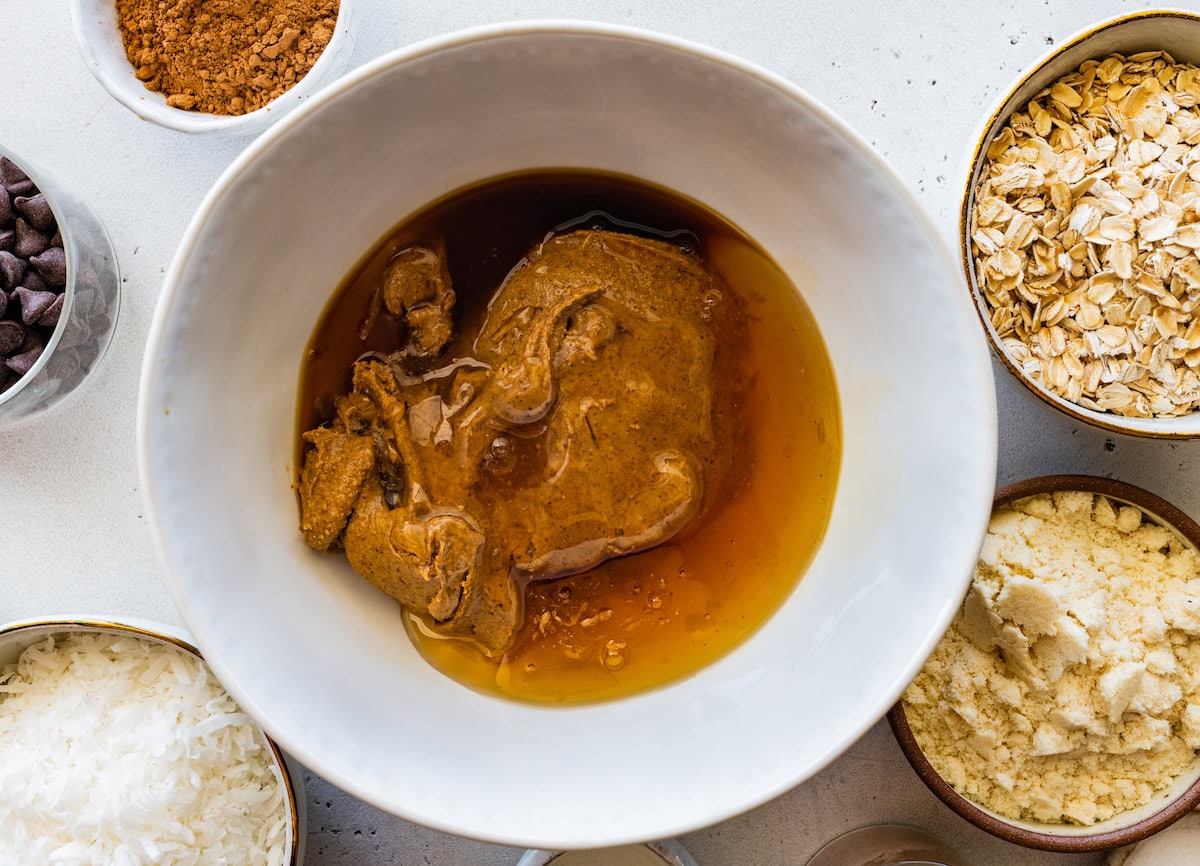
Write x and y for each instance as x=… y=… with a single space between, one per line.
x=224 y=56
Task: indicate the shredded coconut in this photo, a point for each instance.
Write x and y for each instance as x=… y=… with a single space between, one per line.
x=1067 y=689
x=123 y=752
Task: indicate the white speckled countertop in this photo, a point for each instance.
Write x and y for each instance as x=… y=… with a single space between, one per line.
x=913 y=77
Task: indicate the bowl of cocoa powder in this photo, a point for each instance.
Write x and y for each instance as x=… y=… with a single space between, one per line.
x=231 y=66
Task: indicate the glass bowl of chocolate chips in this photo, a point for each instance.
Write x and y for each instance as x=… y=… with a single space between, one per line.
x=59 y=289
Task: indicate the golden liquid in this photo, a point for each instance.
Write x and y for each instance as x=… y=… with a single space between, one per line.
x=639 y=621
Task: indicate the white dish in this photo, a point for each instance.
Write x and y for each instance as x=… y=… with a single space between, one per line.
x=320 y=657
x=99 y=42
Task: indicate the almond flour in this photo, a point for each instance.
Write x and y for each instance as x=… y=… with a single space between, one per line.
x=1067 y=689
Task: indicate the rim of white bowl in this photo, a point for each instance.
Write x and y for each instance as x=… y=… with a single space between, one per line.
x=198 y=121
x=961 y=549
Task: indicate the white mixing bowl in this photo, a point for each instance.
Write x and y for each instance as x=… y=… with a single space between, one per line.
x=322 y=660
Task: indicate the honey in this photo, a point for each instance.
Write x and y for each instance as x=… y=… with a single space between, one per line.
x=642 y=620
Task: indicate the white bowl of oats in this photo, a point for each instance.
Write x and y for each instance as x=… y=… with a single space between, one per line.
x=1079 y=229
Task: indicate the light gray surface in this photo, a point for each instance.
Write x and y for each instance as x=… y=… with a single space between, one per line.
x=913 y=78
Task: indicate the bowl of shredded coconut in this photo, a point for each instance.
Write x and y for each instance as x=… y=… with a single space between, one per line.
x=1078 y=227
x=119 y=746
x=1061 y=709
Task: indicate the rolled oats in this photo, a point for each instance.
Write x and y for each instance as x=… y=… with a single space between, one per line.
x=1085 y=231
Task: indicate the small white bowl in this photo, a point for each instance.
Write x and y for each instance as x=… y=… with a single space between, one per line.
x=1175 y=31
x=99 y=41
x=321 y=657
x=16 y=637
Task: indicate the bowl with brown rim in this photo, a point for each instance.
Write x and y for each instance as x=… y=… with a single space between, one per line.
x=1165 y=807
x=1067 y=325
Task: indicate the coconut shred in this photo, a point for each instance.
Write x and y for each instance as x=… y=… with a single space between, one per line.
x=122 y=751
x=1067 y=689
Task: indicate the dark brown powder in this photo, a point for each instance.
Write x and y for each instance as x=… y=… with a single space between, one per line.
x=224 y=56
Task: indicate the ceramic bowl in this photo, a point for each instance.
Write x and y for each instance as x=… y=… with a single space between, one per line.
x=91 y=301
x=1167 y=806
x=16 y=637
x=321 y=658
x=1177 y=33
x=99 y=41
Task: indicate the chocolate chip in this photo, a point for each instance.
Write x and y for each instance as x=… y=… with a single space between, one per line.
x=6 y=209
x=49 y=318
x=33 y=304
x=12 y=335
x=52 y=265
x=11 y=270
x=7 y=239
x=56 y=239
x=13 y=179
x=7 y=379
x=36 y=210
x=10 y=173
x=34 y=282
x=21 y=364
x=33 y=340
x=3 y=302
x=30 y=241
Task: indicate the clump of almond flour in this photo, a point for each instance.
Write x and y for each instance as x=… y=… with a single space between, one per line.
x=1084 y=232
x=1067 y=689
